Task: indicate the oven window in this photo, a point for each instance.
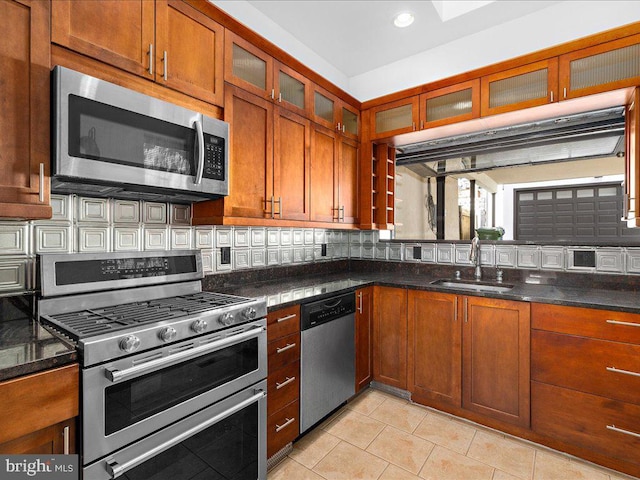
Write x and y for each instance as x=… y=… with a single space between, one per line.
x=110 y=134
x=129 y=402
x=226 y=450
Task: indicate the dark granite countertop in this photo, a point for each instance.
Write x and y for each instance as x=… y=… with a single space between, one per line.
x=543 y=288
x=25 y=346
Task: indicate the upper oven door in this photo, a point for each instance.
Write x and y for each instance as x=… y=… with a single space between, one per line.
x=133 y=397
x=105 y=133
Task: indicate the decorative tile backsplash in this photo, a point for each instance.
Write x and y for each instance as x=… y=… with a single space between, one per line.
x=83 y=224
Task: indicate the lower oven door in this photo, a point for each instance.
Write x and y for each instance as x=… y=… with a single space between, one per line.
x=224 y=441
x=131 y=398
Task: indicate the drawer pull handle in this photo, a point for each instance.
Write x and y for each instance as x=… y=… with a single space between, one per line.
x=622 y=430
x=285 y=424
x=628 y=324
x=285 y=383
x=288 y=346
x=288 y=317
x=626 y=372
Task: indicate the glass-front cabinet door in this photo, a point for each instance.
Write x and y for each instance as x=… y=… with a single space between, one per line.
x=349 y=123
x=522 y=87
x=395 y=118
x=456 y=103
x=247 y=66
x=292 y=90
x=601 y=68
x=324 y=108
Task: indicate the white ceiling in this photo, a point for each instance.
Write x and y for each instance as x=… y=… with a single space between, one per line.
x=359 y=36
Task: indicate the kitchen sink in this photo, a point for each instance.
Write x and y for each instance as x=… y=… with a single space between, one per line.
x=476 y=286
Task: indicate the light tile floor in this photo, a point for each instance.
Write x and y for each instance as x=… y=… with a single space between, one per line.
x=378 y=436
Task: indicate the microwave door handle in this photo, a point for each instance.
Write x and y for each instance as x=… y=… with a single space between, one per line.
x=200 y=168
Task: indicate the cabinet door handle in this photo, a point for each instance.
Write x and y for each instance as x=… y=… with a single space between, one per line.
x=285 y=318
x=65 y=440
x=41 y=183
x=165 y=66
x=285 y=383
x=628 y=324
x=273 y=206
x=622 y=430
x=455 y=310
x=551 y=96
x=288 y=346
x=626 y=372
x=564 y=91
x=464 y=306
x=413 y=126
x=273 y=94
x=151 y=59
x=279 y=207
x=359 y=302
x=280 y=97
x=285 y=424
x=338 y=127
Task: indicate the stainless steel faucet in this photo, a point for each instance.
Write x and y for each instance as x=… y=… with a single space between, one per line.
x=474 y=257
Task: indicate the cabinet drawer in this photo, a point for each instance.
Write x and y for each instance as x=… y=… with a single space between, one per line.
x=283 y=351
x=283 y=387
x=283 y=427
x=588 y=322
x=283 y=322
x=587 y=421
x=610 y=369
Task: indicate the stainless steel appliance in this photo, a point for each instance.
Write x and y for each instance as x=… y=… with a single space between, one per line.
x=114 y=142
x=327 y=357
x=173 y=378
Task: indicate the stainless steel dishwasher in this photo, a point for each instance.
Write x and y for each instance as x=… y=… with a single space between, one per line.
x=327 y=364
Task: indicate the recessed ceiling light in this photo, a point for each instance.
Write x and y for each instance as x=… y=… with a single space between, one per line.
x=403 y=19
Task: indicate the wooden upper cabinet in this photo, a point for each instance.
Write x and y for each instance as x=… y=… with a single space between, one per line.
x=118 y=32
x=496 y=359
x=24 y=123
x=292 y=90
x=349 y=120
x=395 y=118
x=189 y=51
x=166 y=41
x=323 y=182
x=632 y=161
x=522 y=87
x=600 y=68
x=348 y=179
x=325 y=108
x=248 y=67
x=455 y=103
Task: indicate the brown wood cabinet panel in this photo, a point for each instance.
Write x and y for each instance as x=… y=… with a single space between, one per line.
x=283 y=387
x=283 y=322
x=323 y=179
x=291 y=159
x=587 y=322
x=390 y=336
x=97 y=29
x=248 y=67
x=364 y=320
x=435 y=355
x=189 y=50
x=283 y=351
x=22 y=400
x=496 y=359
x=348 y=180
x=283 y=427
x=48 y=441
x=251 y=155
x=585 y=420
x=394 y=118
x=632 y=161
x=24 y=96
x=609 y=369
x=447 y=112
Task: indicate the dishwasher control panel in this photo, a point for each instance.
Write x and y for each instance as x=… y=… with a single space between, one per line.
x=323 y=311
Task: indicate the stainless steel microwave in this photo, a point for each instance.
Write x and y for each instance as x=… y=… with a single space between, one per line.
x=110 y=141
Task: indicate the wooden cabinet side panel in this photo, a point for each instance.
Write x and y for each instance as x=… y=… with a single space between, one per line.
x=390 y=336
x=349 y=179
x=435 y=334
x=323 y=174
x=496 y=359
x=22 y=400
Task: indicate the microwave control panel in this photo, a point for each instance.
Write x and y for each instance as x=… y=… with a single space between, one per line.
x=214 y=157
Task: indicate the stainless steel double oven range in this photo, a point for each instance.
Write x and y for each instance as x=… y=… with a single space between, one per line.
x=173 y=378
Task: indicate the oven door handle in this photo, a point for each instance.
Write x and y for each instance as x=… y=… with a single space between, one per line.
x=116 y=375
x=200 y=167
x=115 y=469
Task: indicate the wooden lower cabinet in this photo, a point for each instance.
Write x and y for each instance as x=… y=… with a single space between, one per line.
x=364 y=320
x=496 y=359
x=390 y=336
x=435 y=343
x=28 y=427
x=283 y=379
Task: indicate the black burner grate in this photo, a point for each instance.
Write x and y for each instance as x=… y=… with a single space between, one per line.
x=96 y=321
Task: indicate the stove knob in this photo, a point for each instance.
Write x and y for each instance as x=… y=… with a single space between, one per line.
x=199 y=326
x=249 y=313
x=226 y=319
x=129 y=344
x=167 y=334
